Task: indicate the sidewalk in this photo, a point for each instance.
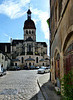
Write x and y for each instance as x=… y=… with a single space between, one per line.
x=47 y=88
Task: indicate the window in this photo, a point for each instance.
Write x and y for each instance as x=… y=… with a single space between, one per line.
x=60 y=7
x=33 y=64
x=29 y=32
x=36 y=59
x=29 y=48
x=33 y=32
x=69 y=49
x=2 y=57
x=29 y=64
x=43 y=64
x=15 y=64
x=5 y=48
x=26 y=32
x=22 y=59
x=56 y=14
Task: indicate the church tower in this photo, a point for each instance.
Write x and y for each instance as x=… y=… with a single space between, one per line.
x=29 y=28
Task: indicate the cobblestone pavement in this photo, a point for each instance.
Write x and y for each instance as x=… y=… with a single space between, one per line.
x=19 y=85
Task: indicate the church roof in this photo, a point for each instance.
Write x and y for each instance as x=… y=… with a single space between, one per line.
x=42 y=59
x=29 y=24
x=42 y=43
x=23 y=53
x=29 y=39
x=5 y=54
x=15 y=60
x=14 y=42
x=30 y=59
x=46 y=59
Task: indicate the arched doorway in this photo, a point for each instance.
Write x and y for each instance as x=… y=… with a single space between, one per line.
x=57 y=68
x=68 y=58
x=29 y=64
x=43 y=64
x=68 y=53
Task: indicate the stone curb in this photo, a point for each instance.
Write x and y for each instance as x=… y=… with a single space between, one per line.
x=42 y=90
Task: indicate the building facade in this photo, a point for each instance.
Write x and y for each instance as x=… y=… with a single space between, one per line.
x=28 y=52
x=61 y=43
x=5 y=61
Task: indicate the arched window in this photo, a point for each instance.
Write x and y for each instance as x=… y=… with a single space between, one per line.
x=33 y=32
x=43 y=64
x=26 y=32
x=68 y=58
x=29 y=48
x=36 y=59
x=29 y=32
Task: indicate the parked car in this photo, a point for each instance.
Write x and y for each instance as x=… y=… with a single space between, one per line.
x=42 y=66
x=18 y=68
x=49 y=68
x=25 y=67
x=12 y=68
x=43 y=70
x=32 y=67
x=37 y=67
x=2 y=72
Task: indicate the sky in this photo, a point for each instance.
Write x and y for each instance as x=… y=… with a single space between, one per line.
x=13 y=14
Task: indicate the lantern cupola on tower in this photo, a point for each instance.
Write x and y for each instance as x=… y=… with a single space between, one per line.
x=29 y=14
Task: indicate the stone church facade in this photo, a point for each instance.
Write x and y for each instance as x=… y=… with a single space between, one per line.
x=61 y=44
x=28 y=52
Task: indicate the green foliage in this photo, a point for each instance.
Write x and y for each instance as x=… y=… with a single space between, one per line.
x=48 y=21
x=58 y=92
x=67 y=85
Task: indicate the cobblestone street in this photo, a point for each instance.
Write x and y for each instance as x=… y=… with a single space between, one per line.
x=19 y=85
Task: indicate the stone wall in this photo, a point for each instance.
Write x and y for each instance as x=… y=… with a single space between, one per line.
x=59 y=36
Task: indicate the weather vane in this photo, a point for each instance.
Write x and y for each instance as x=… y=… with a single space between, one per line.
x=29 y=5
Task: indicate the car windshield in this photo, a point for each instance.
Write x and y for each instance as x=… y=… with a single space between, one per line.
x=43 y=68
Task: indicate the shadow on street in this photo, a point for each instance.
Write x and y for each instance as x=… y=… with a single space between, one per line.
x=48 y=92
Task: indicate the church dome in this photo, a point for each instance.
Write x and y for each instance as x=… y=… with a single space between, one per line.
x=29 y=24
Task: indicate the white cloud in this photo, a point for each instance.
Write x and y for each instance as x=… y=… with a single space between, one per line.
x=9 y=37
x=42 y=16
x=6 y=35
x=13 y=9
x=16 y=9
